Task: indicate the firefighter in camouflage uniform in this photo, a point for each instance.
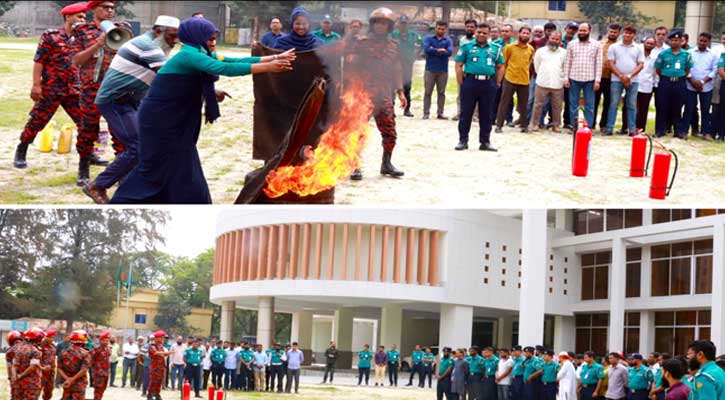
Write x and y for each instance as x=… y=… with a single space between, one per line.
x=157 y=368
x=55 y=80
x=47 y=361
x=14 y=340
x=27 y=366
x=73 y=368
x=101 y=366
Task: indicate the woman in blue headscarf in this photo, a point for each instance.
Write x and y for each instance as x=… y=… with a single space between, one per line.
x=299 y=37
x=169 y=169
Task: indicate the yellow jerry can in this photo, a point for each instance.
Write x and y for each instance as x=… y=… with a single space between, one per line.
x=47 y=135
x=66 y=139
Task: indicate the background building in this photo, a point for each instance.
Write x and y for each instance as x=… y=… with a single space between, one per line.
x=563 y=11
x=569 y=279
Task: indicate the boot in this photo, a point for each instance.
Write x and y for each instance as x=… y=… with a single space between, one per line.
x=387 y=168
x=97 y=161
x=83 y=171
x=20 y=152
x=356 y=175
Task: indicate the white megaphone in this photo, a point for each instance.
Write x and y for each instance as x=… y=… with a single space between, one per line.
x=116 y=35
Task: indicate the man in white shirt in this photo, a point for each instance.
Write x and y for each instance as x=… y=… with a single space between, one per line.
x=646 y=79
x=625 y=61
x=549 y=66
x=130 y=353
x=230 y=366
x=177 y=362
x=503 y=375
x=700 y=84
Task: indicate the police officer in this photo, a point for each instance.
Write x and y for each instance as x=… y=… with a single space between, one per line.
x=639 y=378
x=445 y=370
x=490 y=364
x=416 y=359
x=409 y=42
x=672 y=66
x=73 y=367
x=483 y=65
x=55 y=80
x=192 y=359
x=548 y=376
x=393 y=365
x=275 y=362
x=428 y=361
x=533 y=368
x=517 y=374
x=590 y=375
x=709 y=381
x=363 y=365
x=476 y=365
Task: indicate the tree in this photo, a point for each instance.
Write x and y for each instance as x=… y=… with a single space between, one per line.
x=262 y=11
x=172 y=313
x=602 y=13
x=122 y=8
x=6 y=6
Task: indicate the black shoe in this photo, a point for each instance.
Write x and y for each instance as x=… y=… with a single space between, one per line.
x=442 y=117
x=387 y=168
x=455 y=118
x=376 y=384
x=83 y=171
x=462 y=146
x=20 y=153
x=498 y=130
x=487 y=147
x=510 y=124
x=659 y=135
x=407 y=113
x=524 y=130
x=410 y=384
x=97 y=161
x=607 y=133
x=356 y=175
x=426 y=116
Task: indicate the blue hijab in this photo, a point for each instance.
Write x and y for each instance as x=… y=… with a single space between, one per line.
x=196 y=32
x=295 y=41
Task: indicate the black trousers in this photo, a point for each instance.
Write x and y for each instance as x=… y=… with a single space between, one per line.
x=475 y=92
x=205 y=382
x=643 y=100
x=363 y=372
x=567 y=115
x=217 y=375
x=192 y=374
x=393 y=373
x=276 y=371
x=669 y=100
x=443 y=388
x=331 y=369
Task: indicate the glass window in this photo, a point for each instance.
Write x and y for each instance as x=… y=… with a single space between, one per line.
x=587 y=283
x=595 y=275
x=706 y=212
x=664 y=338
x=601 y=282
x=557 y=5
x=591 y=332
x=660 y=278
x=703 y=246
x=580 y=222
x=674 y=266
x=703 y=274
x=674 y=331
x=681 y=213
x=615 y=219
x=661 y=215
x=680 y=276
x=631 y=340
x=664 y=318
x=634 y=275
x=632 y=218
x=596 y=221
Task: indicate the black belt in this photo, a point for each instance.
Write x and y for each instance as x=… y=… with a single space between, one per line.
x=480 y=77
x=637 y=390
x=674 y=79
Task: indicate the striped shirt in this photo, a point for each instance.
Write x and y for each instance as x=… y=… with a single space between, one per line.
x=132 y=70
x=584 y=61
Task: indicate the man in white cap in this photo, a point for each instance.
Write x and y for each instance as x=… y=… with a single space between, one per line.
x=125 y=84
x=567 y=378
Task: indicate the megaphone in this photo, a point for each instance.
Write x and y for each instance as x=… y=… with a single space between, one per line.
x=116 y=36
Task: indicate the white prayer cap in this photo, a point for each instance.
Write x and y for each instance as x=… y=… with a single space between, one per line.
x=564 y=355
x=165 y=20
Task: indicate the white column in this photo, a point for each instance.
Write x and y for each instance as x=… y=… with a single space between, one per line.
x=645 y=287
x=646 y=332
x=698 y=17
x=265 y=321
x=564 y=219
x=617 y=293
x=647 y=216
x=391 y=325
x=505 y=327
x=532 y=296
x=718 y=286
x=301 y=329
x=456 y=326
x=342 y=335
x=226 y=331
x=564 y=333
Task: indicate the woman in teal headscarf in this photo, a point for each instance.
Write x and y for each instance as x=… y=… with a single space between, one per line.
x=169 y=169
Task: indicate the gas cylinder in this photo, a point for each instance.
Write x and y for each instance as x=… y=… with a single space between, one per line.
x=47 y=135
x=211 y=392
x=186 y=392
x=582 y=148
x=637 y=167
x=220 y=394
x=659 y=187
x=66 y=139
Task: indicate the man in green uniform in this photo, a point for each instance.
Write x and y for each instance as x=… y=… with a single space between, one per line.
x=246 y=356
x=276 y=367
x=409 y=43
x=483 y=66
x=672 y=66
x=590 y=375
x=639 y=378
x=548 y=376
x=393 y=365
x=471 y=25
x=363 y=365
x=476 y=365
x=445 y=369
x=325 y=32
x=192 y=361
x=217 y=364
x=417 y=367
x=490 y=365
x=533 y=368
x=428 y=361
x=517 y=374
x=709 y=381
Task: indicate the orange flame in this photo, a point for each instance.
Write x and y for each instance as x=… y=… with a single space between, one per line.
x=337 y=155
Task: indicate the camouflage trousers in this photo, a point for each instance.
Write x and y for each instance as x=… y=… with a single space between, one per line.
x=44 y=110
x=385 y=120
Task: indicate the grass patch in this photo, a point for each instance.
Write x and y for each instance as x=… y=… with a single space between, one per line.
x=56 y=181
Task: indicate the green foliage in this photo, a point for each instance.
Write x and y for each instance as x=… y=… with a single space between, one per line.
x=6 y=6
x=122 y=9
x=263 y=10
x=171 y=315
x=602 y=13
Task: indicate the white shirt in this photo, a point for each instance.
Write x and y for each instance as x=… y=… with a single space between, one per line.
x=647 y=77
x=567 y=381
x=177 y=354
x=549 y=67
x=206 y=361
x=704 y=64
x=503 y=366
x=131 y=349
x=655 y=52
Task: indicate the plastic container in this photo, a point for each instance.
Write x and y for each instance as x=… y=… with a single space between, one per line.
x=65 y=141
x=47 y=136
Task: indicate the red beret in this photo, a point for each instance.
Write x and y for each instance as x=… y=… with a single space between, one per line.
x=51 y=332
x=96 y=3
x=105 y=335
x=74 y=8
x=159 y=334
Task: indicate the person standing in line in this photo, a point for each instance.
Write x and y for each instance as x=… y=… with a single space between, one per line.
x=428 y=365
x=275 y=32
x=700 y=85
x=330 y=361
x=477 y=369
x=646 y=80
x=115 y=353
x=503 y=375
x=73 y=367
x=639 y=379
x=381 y=362
x=583 y=73
x=260 y=361
x=672 y=66
x=591 y=375
x=409 y=43
x=673 y=372
x=549 y=376
x=325 y=32
x=626 y=60
x=48 y=363
x=393 y=365
x=230 y=366
x=506 y=38
x=718 y=110
x=537 y=43
x=276 y=368
x=443 y=375
x=617 y=378
x=140 y=362
x=533 y=368
x=490 y=365
x=459 y=377
x=517 y=373
x=549 y=66
x=613 y=32
x=206 y=365
x=130 y=353
x=167 y=347
x=246 y=356
x=517 y=61
x=660 y=36
x=217 y=365
x=192 y=360
x=101 y=365
x=566 y=377
x=363 y=365
x=470 y=25
x=570 y=35
x=709 y=381
x=416 y=359
x=295 y=358
x=177 y=363
x=156 y=367
x=438 y=49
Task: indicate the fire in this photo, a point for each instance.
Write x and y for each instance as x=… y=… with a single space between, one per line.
x=337 y=155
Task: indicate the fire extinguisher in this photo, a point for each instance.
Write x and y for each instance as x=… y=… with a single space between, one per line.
x=582 y=148
x=211 y=392
x=186 y=392
x=220 y=394
x=637 y=167
x=659 y=188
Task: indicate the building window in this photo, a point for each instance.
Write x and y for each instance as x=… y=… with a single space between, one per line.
x=706 y=212
x=557 y=5
x=675 y=330
x=595 y=275
x=631 y=332
x=668 y=215
x=591 y=332
x=634 y=272
x=674 y=265
x=515 y=333
x=597 y=220
x=140 y=319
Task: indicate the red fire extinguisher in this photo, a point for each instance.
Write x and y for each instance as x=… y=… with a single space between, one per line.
x=659 y=188
x=186 y=392
x=220 y=394
x=637 y=167
x=582 y=148
x=211 y=392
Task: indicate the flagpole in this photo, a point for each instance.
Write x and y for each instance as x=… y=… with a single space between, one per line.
x=128 y=294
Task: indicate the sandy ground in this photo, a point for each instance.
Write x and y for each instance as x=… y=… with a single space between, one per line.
x=529 y=169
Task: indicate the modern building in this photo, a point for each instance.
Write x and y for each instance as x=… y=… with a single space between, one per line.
x=627 y=280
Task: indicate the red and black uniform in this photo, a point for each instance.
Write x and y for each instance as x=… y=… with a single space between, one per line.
x=47 y=359
x=59 y=83
x=27 y=388
x=9 y=356
x=72 y=361
x=157 y=369
x=91 y=76
x=100 y=369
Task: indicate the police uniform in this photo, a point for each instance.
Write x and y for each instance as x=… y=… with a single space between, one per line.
x=708 y=383
x=477 y=366
x=672 y=89
x=443 y=387
x=72 y=360
x=363 y=366
x=639 y=379
x=276 y=365
x=416 y=358
x=101 y=369
x=217 y=366
x=517 y=377
x=193 y=358
x=247 y=355
x=589 y=377
x=532 y=390
x=428 y=360
x=548 y=380
x=9 y=356
x=26 y=356
x=393 y=357
x=478 y=88
x=409 y=44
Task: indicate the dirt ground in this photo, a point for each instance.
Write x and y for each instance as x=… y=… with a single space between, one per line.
x=528 y=170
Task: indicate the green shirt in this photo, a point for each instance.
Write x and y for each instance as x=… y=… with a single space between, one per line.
x=639 y=378
x=479 y=60
x=333 y=36
x=721 y=63
x=365 y=357
x=500 y=43
x=192 y=60
x=709 y=383
x=417 y=356
x=393 y=356
x=408 y=44
x=550 y=370
x=531 y=365
x=193 y=356
x=275 y=357
x=218 y=355
x=518 y=368
x=428 y=358
x=591 y=375
x=657 y=376
x=246 y=355
x=444 y=364
x=673 y=65
x=476 y=364
x=491 y=364
x=464 y=40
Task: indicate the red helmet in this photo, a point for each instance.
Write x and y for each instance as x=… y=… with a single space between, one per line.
x=105 y=335
x=159 y=334
x=14 y=336
x=51 y=332
x=79 y=337
x=34 y=333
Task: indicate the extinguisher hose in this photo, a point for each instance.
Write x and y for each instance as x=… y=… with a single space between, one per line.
x=674 y=173
x=649 y=155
